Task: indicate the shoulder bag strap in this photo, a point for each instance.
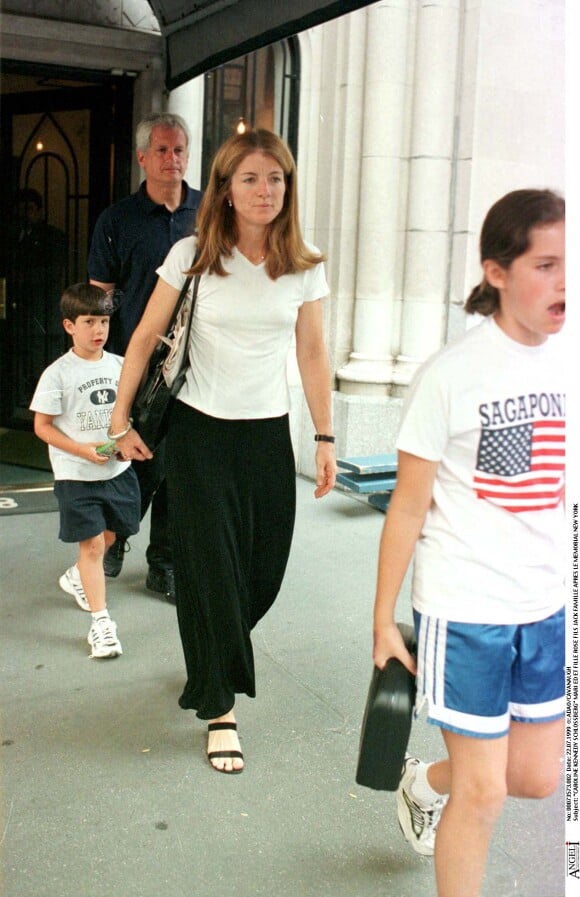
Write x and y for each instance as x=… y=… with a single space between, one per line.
x=192 y=306
x=185 y=357
x=181 y=298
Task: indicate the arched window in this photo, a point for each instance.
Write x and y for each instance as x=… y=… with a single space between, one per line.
x=258 y=90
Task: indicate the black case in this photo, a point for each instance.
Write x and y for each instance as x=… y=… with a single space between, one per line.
x=386 y=724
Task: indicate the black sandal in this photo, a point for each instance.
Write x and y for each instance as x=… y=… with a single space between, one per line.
x=214 y=727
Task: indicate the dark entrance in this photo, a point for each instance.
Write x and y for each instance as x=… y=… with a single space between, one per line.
x=65 y=154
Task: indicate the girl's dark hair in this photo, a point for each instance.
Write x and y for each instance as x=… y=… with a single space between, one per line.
x=505 y=235
x=84 y=299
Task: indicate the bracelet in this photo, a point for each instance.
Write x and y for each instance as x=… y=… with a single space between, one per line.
x=321 y=437
x=115 y=436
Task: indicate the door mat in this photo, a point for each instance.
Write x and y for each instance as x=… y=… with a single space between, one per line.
x=24 y=449
x=34 y=500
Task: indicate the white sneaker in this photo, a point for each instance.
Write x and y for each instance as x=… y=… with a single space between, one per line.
x=70 y=582
x=103 y=639
x=418 y=824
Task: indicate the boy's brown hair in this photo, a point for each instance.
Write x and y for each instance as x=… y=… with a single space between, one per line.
x=84 y=299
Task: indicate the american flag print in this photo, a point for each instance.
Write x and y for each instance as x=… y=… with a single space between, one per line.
x=521 y=467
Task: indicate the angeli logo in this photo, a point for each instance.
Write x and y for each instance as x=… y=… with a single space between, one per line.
x=103 y=396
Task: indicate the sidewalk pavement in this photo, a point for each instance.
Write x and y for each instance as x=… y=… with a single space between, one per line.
x=106 y=788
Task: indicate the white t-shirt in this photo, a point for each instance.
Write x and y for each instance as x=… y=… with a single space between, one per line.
x=241 y=334
x=491 y=411
x=80 y=395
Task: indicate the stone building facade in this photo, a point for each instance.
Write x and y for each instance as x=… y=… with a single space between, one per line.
x=414 y=117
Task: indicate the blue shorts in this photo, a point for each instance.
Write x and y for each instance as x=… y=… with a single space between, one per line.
x=476 y=678
x=89 y=508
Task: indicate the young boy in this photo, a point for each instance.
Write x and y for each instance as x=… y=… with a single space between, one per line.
x=97 y=491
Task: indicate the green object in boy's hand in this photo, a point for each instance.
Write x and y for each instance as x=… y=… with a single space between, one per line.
x=108 y=448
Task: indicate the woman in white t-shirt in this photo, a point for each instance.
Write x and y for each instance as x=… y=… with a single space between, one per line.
x=230 y=466
x=479 y=501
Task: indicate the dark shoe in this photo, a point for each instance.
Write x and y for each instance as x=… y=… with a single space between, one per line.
x=114 y=557
x=161 y=581
x=224 y=755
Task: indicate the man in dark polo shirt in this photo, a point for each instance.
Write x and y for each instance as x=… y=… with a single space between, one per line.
x=130 y=240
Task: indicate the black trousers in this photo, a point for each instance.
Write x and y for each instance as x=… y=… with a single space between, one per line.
x=153 y=486
x=232 y=498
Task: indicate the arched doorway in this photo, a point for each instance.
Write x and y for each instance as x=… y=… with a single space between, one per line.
x=58 y=128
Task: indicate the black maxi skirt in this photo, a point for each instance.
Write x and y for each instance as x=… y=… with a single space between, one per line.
x=232 y=502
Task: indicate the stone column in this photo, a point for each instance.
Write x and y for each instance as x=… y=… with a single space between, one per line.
x=187 y=101
x=368 y=370
x=339 y=170
x=431 y=182
x=329 y=160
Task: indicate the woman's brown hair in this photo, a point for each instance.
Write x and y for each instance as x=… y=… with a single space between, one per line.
x=217 y=230
x=505 y=235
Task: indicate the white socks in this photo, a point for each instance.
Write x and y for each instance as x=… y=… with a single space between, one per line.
x=421 y=789
x=100 y=615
